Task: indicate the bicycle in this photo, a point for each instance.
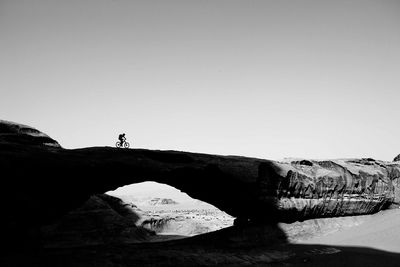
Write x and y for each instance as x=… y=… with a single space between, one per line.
x=122 y=144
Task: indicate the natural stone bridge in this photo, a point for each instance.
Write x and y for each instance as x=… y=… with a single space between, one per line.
x=43 y=181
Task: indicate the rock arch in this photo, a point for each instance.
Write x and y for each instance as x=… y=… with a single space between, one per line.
x=44 y=181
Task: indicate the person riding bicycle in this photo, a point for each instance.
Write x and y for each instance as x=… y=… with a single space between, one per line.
x=122 y=138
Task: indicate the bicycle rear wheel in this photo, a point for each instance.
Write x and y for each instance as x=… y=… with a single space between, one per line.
x=118 y=144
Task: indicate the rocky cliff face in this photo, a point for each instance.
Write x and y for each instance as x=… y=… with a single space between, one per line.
x=397 y=158
x=253 y=190
x=337 y=187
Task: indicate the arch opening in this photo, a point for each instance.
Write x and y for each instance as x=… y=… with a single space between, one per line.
x=135 y=213
x=170 y=213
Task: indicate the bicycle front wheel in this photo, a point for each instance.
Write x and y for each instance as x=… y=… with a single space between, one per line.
x=126 y=145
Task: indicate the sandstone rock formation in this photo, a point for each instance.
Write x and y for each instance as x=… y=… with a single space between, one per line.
x=101 y=219
x=11 y=132
x=255 y=191
x=337 y=187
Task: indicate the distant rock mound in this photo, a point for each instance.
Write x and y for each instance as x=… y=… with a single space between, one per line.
x=162 y=201
x=397 y=158
x=11 y=132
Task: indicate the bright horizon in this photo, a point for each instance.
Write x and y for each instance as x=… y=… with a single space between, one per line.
x=151 y=189
x=266 y=79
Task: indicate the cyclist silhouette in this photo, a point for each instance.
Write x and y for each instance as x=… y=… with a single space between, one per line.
x=122 y=141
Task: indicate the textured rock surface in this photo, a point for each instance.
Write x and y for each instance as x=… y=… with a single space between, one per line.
x=11 y=132
x=397 y=158
x=255 y=191
x=101 y=219
x=337 y=187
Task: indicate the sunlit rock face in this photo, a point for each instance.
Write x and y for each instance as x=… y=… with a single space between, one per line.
x=337 y=187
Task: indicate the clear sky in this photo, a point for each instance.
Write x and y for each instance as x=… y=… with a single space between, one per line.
x=269 y=79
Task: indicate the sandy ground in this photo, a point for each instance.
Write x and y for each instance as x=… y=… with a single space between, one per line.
x=379 y=231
